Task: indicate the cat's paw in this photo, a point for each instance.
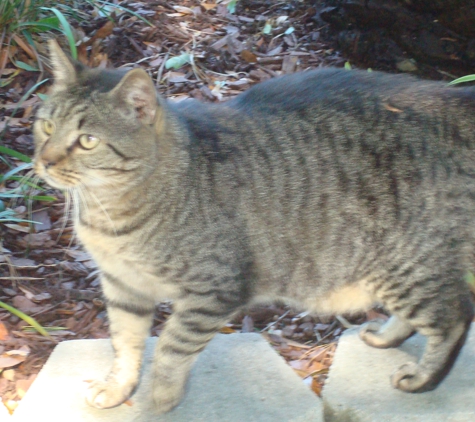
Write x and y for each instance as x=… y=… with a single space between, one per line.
x=411 y=378
x=165 y=399
x=106 y=394
x=369 y=333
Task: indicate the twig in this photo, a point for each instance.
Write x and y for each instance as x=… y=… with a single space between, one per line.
x=276 y=321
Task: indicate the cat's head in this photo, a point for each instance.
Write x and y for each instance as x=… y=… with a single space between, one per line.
x=97 y=127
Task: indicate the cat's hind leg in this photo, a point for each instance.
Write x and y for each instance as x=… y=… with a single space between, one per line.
x=442 y=349
x=384 y=334
x=440 y=309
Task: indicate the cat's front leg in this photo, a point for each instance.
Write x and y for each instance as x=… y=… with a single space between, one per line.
x=192 y=325
x=130 y=322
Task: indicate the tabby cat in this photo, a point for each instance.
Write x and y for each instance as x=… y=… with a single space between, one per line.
x=333 y=189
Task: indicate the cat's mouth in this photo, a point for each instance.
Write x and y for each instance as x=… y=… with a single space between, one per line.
x=56 y=177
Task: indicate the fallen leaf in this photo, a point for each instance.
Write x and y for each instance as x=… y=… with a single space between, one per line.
x=227 y=330
x=36 y=240
x=78 y=255
x=22 y=351
x=208 y=6
x=248 y=56
x=176 y=77
x=11 y=405
x=22 y=262
x=3 y=332
x=105 y=30
x=22 y=386
x=372 y=314
x=9 y=361
x=42 y=220
x=300 y=373
x=184 y=10
x=16 y=227
x=25 y=305
x=316 y=387
x=9 y=374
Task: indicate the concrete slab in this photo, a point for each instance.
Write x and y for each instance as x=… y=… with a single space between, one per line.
x=358 y=388
x=237 y=378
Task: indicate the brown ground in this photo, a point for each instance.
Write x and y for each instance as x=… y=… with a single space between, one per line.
x=44 y=273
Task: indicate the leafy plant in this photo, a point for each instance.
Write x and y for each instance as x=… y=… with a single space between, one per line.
x=7 y=214
x=178 y=61
x=21 y=21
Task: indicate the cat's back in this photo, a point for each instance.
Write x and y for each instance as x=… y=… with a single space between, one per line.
x=368 y=95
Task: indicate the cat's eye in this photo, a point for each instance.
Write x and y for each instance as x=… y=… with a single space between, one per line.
x=88 y=141
x=48 y=127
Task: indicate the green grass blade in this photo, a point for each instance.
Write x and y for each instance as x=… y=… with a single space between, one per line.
x=468 y=78
x=29 y=329
x=26 y=182
x=25 y=318
x=124 y=9
x=67 y=31
x=22 y=99
x=42 y=198
x=14 y=154
x=15 y=170
x=51 y=22
x=25 y=66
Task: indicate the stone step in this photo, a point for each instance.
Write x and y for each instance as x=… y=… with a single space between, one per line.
x=237 y=378
x=358 y=388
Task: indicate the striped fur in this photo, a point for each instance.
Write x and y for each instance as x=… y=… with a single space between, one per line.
x=332 y=189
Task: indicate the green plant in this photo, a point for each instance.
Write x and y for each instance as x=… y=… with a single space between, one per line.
x=25 y=318
x=24 y=189
x=20 y=23
x=467 y=78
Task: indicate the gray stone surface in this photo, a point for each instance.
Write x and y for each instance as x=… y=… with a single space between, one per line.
x=237 y=378
x=358 y=388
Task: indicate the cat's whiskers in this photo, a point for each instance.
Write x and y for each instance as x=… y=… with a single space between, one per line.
x=25 y=178
x=81 y=198
x=100 y=180
x=101 y=206
x=66 y=216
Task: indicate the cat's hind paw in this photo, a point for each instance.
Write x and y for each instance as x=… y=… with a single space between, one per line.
x=369 y=333
x=384 y=334
x=411 y=378
x=106 y=394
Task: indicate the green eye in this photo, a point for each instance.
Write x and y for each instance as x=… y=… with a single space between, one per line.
x=48 y=127
x=88 y=141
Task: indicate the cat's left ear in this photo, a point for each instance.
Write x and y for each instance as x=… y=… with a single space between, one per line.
x=136 y=89
x=63 y=69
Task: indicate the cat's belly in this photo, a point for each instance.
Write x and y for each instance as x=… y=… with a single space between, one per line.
x=346 y=299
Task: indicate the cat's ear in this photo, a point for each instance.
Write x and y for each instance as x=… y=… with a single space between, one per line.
x=63 y=69
x=137 y=90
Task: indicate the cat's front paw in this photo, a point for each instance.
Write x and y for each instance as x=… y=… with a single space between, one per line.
x=106 y=394
x=166 y=398
x=411 y=378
